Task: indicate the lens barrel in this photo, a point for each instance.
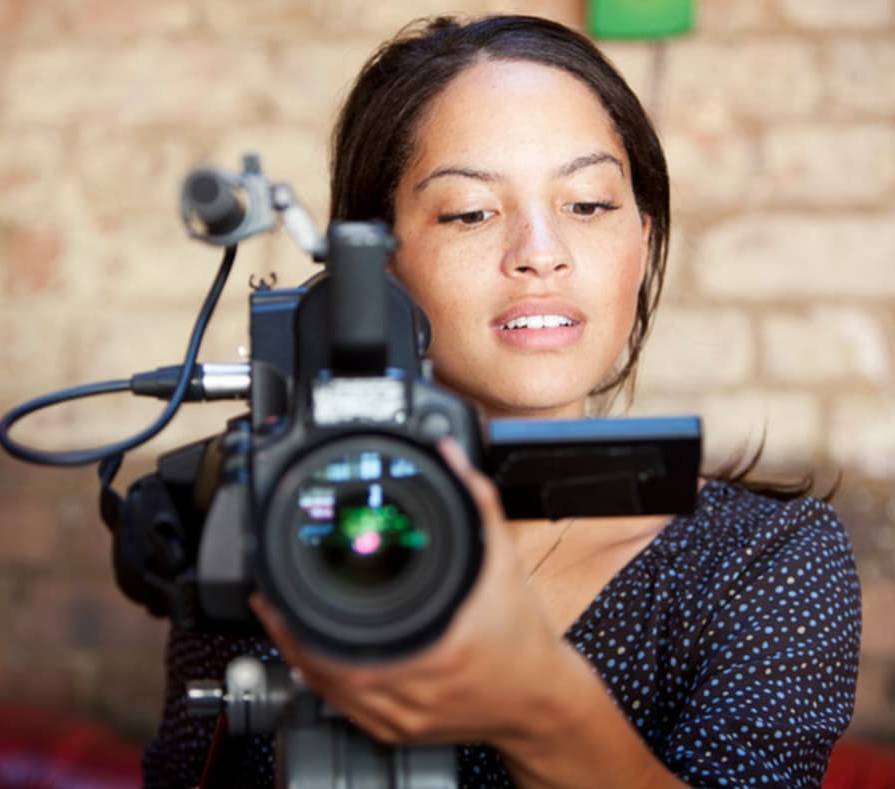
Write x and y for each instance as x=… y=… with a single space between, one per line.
x=368 y=545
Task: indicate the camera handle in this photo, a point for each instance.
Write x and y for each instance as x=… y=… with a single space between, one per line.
x=317 y=747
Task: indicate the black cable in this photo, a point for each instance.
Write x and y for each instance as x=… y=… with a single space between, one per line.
x=82 y=457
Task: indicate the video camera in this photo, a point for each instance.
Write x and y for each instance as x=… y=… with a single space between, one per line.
x=330 y=494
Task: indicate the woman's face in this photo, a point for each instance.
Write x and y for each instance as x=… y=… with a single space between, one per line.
x=521 y=239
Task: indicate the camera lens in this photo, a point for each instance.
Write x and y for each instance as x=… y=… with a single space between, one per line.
x=369 y=544
x=369 y=535
x=371 y=540
x=359 y=526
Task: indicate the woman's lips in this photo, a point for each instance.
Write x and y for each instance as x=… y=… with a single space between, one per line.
x=543 y=337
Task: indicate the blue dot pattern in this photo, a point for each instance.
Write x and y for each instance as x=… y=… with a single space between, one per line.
x=730 y=643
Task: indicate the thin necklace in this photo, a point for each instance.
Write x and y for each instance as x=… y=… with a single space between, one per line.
x=550 y=551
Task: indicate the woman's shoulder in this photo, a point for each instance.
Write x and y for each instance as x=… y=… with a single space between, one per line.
x=772 y=632
x=733 y=538
x=736 y=539
x=732 y=521
x=728 y=602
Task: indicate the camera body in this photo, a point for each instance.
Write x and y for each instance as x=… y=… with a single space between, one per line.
x=332 y=496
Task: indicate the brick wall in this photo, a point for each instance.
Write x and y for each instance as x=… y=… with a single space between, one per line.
x=778 y=118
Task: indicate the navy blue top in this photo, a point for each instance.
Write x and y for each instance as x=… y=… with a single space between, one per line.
x=730 y=643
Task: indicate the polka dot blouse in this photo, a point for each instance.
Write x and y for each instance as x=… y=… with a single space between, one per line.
x=730 y=643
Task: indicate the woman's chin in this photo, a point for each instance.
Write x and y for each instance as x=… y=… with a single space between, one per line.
x=522 y=397
x=521 y=403
x=537 y=410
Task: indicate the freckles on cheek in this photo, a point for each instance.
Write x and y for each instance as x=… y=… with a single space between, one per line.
x=449 y=323
x=437 y=284
x=627 y=254
x=628 y=288
x=616 y=301
x=435 y=296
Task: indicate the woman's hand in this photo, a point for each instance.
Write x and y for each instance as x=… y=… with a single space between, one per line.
x=482 y=681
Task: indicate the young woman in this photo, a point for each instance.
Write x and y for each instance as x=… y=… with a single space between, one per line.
x=530 y=197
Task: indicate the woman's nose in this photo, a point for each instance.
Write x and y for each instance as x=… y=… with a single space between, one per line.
x=537 y=249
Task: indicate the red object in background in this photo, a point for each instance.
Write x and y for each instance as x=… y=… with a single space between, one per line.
x=858 y=765
x=42 y=749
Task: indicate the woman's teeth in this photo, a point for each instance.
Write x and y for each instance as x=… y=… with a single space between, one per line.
x=538 y=322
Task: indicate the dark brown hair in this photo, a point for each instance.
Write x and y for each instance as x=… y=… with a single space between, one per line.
x=376 y=135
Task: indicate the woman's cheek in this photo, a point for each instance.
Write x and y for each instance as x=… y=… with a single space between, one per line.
x=448 y=283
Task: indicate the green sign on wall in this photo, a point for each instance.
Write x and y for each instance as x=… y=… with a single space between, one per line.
x=639 y=18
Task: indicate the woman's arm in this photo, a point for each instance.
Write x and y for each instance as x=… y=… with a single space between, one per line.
x=498 y=675
x=774 y=683
x=565 y=732
x=580 y=738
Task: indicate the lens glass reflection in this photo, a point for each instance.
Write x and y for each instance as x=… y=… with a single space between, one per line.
x=353 y=513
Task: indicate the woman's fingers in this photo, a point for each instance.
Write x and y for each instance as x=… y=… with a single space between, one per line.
x=320 y=671
x=396 y=701
x=480 y=487
x=314 y=669
x=384 y=709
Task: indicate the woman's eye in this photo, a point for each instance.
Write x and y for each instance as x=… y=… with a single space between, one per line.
x=588 y=209
x=465 y=218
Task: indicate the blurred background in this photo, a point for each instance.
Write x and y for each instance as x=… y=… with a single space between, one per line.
x=778 y=120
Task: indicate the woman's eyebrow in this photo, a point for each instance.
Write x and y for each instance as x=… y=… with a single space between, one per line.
x=591 y=159
x=578 y=163
x=466 y=172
